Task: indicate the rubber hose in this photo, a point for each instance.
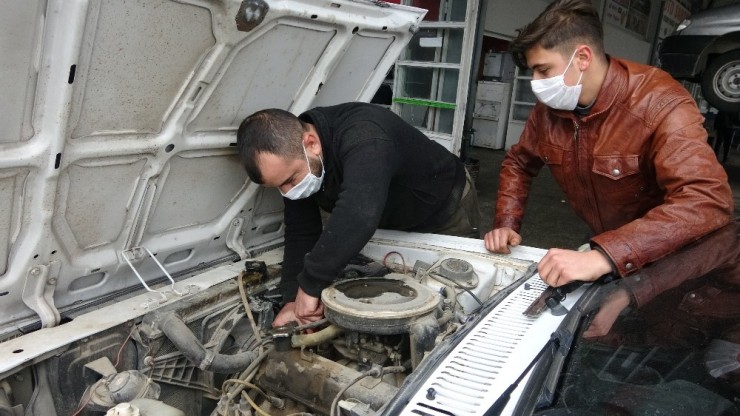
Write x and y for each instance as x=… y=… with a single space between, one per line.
x=310 y=340
x=186 y=342
x=446 y=317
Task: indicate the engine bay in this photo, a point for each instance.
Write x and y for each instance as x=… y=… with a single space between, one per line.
x=215 y=352
x=119 y=162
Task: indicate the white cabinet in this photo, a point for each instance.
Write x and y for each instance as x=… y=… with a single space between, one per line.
x=491 y=114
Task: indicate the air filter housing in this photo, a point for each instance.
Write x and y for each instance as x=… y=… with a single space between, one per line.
x=378 y=305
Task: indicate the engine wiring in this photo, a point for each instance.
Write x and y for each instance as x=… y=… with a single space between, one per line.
x=310 y=325
x=84 y=402
x=228 y=395
x=274 y=401
x=254 y=405
x=376 y=372
x=86 y=398
x=429 y=272
x=390 y=253
x=242 y=386
x=445 y=281
x=243 y=294
x=335 y=403
x=123 y=345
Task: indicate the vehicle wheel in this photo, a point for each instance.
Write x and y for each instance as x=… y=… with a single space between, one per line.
x=720 y=82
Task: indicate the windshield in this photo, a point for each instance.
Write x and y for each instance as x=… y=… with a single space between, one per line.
x=664 y=341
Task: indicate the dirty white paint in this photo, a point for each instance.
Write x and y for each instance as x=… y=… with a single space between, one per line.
x=118 y=126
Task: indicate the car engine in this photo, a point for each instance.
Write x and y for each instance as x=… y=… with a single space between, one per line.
x=216 y=352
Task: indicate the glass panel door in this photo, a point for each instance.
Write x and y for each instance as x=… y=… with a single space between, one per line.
x=432 y=75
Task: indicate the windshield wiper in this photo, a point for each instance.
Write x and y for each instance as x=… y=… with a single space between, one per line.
x=500 y=404
x=539 y=392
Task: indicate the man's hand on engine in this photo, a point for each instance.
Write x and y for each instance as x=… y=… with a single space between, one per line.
x=286 y=315
x=308 y=308
x=305 y=309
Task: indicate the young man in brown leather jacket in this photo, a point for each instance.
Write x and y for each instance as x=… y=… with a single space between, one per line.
x=623 y=140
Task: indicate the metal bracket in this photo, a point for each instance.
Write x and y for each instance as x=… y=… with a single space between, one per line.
x=235 y=238
x=38 y=293
x=102 y=366
x=133 y=253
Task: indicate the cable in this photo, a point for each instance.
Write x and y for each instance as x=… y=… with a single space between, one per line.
x=275 y=401
x=437 y=277
x=443 y=279
x=310 y=325
x=254 y=405
x=245 y=384
x=376 y=372
x=249 y=372
x=335 y=403
x=243 y=294
x=123 y=344
x=84 y=403
x=403 y=262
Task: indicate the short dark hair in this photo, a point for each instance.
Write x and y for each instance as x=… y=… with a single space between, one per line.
x=268 y=131
x=562 y=25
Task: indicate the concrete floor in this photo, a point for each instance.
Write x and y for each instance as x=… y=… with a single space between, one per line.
x=549 y=221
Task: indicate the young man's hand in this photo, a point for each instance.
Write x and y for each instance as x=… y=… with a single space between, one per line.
x=499 y=240
x=559 y=266
x=305 y=309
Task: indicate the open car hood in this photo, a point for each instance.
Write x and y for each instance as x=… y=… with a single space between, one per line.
x=119 y=171
x=118 y=133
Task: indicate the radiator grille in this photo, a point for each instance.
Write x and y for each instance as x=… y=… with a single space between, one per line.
x=488 y=360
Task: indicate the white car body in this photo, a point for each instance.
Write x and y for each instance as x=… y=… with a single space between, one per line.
x=117 y=134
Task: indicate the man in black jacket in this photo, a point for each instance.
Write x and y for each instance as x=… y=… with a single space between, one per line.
x=369 y=169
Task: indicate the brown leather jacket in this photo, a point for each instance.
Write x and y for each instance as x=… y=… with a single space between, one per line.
x=638 y=169
x=713 y=259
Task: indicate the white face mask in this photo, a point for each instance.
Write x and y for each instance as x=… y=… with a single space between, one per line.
x=554 y=93
x=309 y=185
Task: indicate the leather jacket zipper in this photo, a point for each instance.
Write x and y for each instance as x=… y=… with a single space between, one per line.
x=577 y=148
x=576 y=126
x=582 y=174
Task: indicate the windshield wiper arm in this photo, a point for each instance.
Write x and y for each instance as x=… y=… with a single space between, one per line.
x=500 y=404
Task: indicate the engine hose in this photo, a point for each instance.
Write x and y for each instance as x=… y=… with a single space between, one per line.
x=310 y=340
x=446 y=317
x=186 y=342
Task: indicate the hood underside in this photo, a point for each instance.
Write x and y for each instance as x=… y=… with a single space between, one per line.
x=118 y=132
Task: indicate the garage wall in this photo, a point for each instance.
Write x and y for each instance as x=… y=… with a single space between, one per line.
x=622 y=44
x=503 y=18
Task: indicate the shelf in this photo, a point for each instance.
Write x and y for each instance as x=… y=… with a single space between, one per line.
x=426 y=24
x=419 y=64
x=425 y=103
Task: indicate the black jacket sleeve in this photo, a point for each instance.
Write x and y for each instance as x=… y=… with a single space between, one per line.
x=302 y=230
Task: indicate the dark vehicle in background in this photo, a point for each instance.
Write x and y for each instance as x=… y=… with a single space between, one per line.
x=706 y=48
